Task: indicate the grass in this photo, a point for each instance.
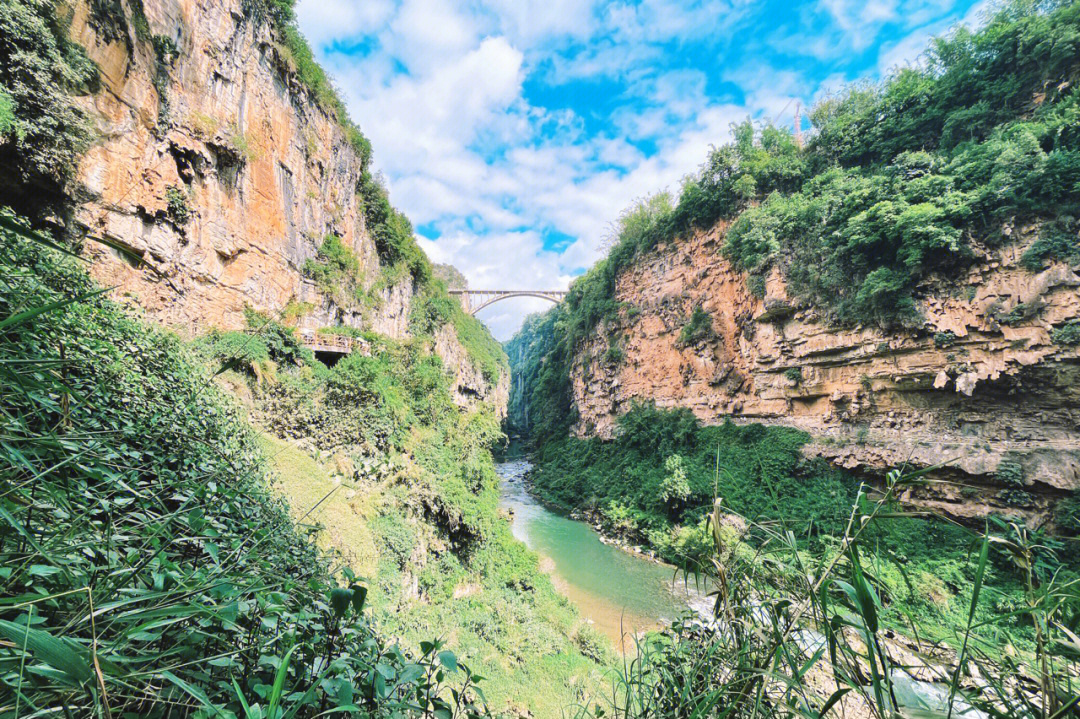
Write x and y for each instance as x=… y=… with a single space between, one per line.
x=334 y=504
x=697 y=328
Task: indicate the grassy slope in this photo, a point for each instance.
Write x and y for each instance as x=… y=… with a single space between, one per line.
x=486 y=597
x=519 y=639
x=132 y=485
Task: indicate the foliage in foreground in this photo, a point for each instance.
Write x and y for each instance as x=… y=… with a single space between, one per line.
x=146 y=568
x=796 y=636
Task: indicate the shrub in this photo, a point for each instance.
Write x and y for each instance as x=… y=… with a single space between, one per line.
x=697 y=328
x=1021 y=312
x=177 y=207
x=391 y=230
x=335 y=269
x=1067 y=514
x=250 y=352
x=1011 y=472
x=45 y=132
x=298 y=57
x=674 y=487
x=1067 y=334
x=794 y=374
x=594 y=645
x=614 y=354
x=1057 y=241
x=430 y=311
x=945 y=339
x=756 y=285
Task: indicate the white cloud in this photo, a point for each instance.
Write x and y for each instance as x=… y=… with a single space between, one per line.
x=442 y=90
x=911 y=49
x=326 y=20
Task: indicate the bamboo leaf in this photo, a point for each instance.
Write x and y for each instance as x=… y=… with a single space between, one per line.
x=52 y=306
x=61 y=654
x=192 y=691
x=279 y=684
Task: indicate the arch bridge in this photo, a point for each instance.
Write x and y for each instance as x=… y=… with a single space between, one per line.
x=475 y=300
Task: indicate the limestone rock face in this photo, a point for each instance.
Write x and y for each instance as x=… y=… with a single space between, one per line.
x=218 y=167
x=981 y=385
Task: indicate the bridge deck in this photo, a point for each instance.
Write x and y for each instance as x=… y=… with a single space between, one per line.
x=475 y=300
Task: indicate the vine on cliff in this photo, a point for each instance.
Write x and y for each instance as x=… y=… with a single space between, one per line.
x=42 y=132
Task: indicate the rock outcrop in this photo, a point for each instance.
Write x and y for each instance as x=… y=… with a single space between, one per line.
x=981 y=385
x=223 y=172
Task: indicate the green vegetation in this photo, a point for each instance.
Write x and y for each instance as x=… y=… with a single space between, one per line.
x=176 y=205
x=811 y=636
x=42 y=133
x=1067 y=334
x=336 y=271
x=259 y=351
x=146 y=565
x=415 y=498
x=434 y=308
x=614 y=354
x=297 y=55
x=1058 y=240
x=945 y=339
x=451 y=276
x=540 y=407
x=794 y=374
x=656 y=482
x=390 y=229
x=895 y=181
x=697 y=328
x=756 y=285
x=892 y=177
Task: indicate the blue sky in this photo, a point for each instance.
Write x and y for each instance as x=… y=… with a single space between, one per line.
x=513 y=132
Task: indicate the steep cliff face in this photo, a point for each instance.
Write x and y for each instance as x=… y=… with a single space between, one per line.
x=982 y=385
x=219 y=168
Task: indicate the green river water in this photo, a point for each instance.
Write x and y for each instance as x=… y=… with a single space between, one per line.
x=621 y=593
x=624 y=594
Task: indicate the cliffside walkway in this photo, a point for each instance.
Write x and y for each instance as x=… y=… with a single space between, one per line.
x=330 y=347
x=475 y=300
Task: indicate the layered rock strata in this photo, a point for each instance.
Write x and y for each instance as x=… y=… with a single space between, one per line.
x=982 y=385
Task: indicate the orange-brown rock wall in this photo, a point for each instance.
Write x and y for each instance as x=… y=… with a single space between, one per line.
x=224 y=174
x=990 y=397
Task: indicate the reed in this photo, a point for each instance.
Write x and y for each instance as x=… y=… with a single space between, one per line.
x=795 y=635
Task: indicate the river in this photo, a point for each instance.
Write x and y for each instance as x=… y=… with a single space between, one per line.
x=623 y=594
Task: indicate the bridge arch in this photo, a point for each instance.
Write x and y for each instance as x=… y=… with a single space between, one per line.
x=475 y=300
